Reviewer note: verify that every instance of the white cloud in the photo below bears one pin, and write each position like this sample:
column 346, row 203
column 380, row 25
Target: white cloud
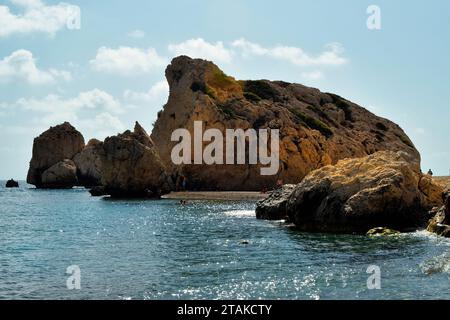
column 136, row 34
column 21, row 65
column 159, row 91
column 313, row 75
column 36, row 17
column 102, row 125
column 126, row 61
column 95, row 113
column 297, row 56
column 199, row 48
column 57, row 109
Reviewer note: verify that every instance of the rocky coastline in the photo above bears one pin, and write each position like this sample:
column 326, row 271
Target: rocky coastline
column 344, row 169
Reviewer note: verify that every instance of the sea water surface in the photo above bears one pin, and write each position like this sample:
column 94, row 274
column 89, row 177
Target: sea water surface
column 135, row 249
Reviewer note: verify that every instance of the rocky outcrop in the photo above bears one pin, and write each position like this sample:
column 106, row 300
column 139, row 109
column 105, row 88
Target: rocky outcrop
column 316, row 128
column 274, row 206
column 381, row 231
column 131, row 166
column 61, row 175
column 12, row 184
column 55, row 145
column 89, row 164
column 440, row 223
column 356, row 195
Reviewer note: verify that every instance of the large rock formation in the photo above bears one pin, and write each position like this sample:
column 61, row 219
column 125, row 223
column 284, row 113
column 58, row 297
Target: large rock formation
column 440, row 223
column 57, row 144
column 89, row 164
column 131, row 166
column 316, row 129
column 385, row 189
column 355, row 195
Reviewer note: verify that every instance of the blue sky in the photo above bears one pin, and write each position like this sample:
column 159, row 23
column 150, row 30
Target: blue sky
column 110, row 72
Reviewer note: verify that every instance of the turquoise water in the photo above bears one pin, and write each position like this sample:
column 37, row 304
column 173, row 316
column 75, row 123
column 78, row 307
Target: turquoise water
column 132, row 249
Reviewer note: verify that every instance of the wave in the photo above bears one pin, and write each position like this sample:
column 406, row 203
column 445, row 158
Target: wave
column 241, row 213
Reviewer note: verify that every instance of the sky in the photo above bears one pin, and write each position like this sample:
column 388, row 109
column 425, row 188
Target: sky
column 100, row 64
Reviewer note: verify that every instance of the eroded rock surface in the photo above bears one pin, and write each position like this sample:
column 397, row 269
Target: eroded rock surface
column 132, row 167
column 316, row 128
column 274, row 206
column 356, row 195
column 61, row 175
column 51, row 147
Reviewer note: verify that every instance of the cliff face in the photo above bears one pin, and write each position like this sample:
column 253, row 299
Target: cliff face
column 316, row 129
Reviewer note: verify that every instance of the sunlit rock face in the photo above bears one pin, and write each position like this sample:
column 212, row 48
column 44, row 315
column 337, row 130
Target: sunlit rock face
column 131, row 166
column 55, row 145
column 356, row 195
column 316, row 128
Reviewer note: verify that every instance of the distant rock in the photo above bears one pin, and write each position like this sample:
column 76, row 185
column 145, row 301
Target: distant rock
column 60, row 176
column 89, row 164
column 440, row 223
column 12, row 184
column 131, row 166
column 316, row 128
column 274, row 206
column 55, row 145
column 359, row 194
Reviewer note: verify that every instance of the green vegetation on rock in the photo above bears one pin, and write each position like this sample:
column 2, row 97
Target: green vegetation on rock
column 313, row 123
column 261, row 89
column 344, row 105
column 252, row 97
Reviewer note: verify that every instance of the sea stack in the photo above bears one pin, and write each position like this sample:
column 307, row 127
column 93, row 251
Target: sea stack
column 131, row 166
column 55, row 146
column 12, row 184
column 316, row 128
column 440, row 223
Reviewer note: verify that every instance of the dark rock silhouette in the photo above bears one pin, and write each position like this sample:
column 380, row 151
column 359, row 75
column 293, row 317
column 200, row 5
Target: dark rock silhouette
column 12, row 184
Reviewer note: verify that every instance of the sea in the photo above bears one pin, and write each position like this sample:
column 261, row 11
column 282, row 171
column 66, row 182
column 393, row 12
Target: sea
column 65, row 244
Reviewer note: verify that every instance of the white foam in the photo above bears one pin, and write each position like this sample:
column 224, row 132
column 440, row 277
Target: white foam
column 241, row 213
column 439, row 264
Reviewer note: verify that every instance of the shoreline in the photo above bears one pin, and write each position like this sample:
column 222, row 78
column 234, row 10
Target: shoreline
column 216, row 195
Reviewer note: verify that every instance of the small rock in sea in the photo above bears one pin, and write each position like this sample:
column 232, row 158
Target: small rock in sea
column 381, row 231
column 245, row 242
column 12, row 184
